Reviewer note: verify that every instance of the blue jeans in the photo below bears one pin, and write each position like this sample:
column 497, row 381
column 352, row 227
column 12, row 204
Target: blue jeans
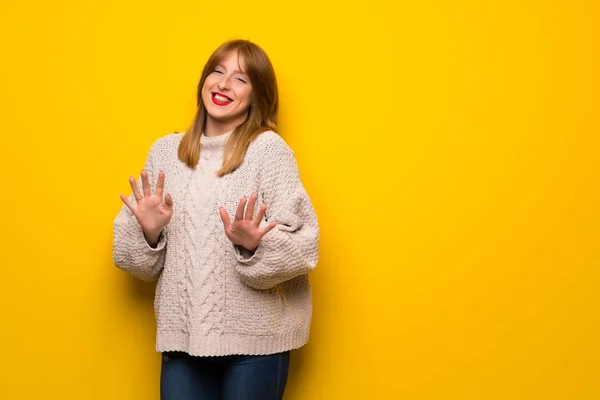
column 185, row 377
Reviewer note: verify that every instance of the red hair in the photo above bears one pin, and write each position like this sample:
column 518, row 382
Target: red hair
column 262, row 115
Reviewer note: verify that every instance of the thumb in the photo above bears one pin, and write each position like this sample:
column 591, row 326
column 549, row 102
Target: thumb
column 168, row 200
column 225, row 217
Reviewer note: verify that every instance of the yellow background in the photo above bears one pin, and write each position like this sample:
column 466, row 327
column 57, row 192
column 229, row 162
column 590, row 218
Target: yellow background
column 450, row 148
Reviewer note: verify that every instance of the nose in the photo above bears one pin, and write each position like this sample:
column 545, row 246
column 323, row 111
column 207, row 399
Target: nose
column 224, row 83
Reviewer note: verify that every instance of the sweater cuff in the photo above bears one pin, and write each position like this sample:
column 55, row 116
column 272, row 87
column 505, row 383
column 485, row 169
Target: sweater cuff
column 247, row 257
column 272, row 241
column 162, row 242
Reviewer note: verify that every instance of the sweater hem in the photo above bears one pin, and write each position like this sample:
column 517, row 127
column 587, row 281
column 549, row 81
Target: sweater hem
column 225, row 344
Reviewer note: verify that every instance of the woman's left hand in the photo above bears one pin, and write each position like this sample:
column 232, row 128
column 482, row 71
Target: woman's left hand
column 245, row 229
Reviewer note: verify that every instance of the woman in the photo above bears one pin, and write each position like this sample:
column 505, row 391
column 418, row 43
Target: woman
column 233, row 296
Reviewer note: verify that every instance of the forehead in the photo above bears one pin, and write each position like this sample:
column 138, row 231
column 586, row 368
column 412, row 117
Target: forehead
column 233, row 61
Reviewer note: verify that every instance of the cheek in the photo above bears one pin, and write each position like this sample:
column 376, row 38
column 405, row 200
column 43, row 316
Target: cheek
column 247, row 95
column 206, row 96
column 206, row 87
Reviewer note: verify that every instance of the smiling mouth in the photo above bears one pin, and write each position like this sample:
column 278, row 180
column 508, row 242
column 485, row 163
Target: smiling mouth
column 220, row 99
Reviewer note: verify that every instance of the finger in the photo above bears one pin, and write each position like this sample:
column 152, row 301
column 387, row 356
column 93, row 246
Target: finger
column 250, row 208
column 225, row 218
column 261, row 214
column 267, row 228
column 160, row 184
column 168, row 200
column 239, row 214
column 125, row 200
column 146, row 184
column 136, row 190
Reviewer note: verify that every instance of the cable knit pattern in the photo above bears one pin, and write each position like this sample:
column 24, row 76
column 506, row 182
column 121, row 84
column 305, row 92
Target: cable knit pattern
column 211, row 298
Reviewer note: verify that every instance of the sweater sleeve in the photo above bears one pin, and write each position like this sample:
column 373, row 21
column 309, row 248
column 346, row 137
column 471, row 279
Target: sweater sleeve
column 131, row 251
column 291, row 248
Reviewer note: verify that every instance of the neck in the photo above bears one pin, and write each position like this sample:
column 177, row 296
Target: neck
column 217, row 128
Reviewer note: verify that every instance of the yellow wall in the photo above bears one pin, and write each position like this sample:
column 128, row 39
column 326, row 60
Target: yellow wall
column 451, row 150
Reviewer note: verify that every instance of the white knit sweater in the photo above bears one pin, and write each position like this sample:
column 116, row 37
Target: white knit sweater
column 210, row 299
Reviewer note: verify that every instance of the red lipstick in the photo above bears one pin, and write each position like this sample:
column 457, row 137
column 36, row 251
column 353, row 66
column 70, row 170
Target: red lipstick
column 219, row 102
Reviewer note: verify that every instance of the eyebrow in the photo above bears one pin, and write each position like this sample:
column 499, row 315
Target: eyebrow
column 235, row 70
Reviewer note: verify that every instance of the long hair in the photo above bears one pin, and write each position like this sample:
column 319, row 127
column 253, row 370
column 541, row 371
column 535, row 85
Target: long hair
column 262, row 115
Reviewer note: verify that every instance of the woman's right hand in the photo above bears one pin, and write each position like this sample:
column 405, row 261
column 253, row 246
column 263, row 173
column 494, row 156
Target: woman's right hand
column 152, row 213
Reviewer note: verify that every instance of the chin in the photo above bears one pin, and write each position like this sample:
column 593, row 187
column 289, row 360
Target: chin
column 218, row 116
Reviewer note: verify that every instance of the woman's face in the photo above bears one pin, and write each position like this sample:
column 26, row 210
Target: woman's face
column 227, row 92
